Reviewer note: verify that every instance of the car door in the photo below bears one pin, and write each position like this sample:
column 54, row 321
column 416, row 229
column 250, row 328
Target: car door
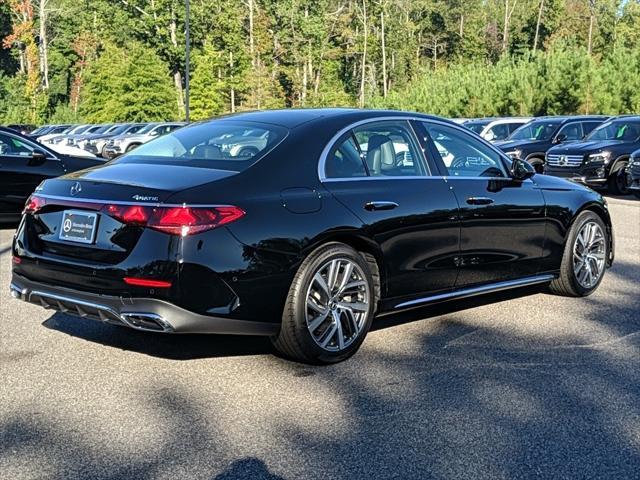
column 379, row 172
column 503, row 220
column 21, row 172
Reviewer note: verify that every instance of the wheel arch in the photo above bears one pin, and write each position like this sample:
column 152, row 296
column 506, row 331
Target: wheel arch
column 615, row 165
column 368, row 248
column 603, row 213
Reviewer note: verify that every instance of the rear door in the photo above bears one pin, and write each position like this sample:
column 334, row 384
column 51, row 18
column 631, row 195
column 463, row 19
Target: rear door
column 20, row 173
column 503, row 220
column 379, row 172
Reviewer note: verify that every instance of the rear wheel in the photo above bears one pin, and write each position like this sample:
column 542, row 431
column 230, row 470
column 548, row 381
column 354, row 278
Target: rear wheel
column 330, row 306
column 585, row 257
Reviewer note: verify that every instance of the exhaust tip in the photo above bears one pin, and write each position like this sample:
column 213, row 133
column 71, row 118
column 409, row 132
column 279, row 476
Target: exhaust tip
column 146, row 321
column 16, row 292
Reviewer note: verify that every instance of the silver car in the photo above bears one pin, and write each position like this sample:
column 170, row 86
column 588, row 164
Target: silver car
column 127, row 142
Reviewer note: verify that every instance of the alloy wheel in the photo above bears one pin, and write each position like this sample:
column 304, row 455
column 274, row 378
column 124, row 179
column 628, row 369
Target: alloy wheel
column 337, row 304
column 589, row 252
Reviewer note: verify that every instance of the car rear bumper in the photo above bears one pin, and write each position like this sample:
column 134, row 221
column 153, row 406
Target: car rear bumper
column 138, row 313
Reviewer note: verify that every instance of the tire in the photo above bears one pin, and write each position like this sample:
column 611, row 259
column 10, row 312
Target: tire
column 537, row 164
column 131, row 147
column 617, row 181
column 308, row 302
column 568, row 283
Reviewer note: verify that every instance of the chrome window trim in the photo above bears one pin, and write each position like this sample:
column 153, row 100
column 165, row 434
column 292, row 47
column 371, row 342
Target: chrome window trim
column 331, row 143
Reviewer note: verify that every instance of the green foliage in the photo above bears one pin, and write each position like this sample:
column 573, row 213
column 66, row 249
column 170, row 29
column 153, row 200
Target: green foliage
column 127, row 84
column 124, row 60
column 559, row 81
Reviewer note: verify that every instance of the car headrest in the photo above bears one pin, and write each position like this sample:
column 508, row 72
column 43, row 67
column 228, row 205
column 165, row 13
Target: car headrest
column 380, row 154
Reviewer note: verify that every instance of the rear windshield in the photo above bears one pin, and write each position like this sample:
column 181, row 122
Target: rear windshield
column 222, row 145
column 620, row 130
column 540, row 130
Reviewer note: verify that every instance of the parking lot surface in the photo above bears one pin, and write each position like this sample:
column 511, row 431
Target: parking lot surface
column 515, row 385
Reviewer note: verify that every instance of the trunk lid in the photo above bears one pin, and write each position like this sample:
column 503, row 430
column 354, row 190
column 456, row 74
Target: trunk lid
column 83, row 198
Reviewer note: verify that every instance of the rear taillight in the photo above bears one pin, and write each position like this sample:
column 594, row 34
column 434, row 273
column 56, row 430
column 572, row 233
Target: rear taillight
column 184, row 220
column 34, row 203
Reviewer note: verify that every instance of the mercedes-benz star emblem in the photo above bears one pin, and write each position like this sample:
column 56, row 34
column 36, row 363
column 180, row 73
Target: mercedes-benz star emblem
column 76, row 188
column 563, row 160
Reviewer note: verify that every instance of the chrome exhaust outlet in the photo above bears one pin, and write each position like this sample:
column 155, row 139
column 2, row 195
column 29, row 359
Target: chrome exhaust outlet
column 146, row 321
column 16, row 292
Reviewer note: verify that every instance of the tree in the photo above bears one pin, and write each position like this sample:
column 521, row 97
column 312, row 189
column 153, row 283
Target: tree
column 127, row 84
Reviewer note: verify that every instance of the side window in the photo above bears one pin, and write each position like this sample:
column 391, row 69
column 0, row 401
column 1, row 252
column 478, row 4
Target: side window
column 390, row 149
column 588, row 127
column 12, row 146
column 514, row 126
column 463, row 154
column 572, row 131
column 497, row 132
column 344, row 160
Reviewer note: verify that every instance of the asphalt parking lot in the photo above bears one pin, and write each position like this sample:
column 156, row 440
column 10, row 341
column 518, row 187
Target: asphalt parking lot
column 529, row 386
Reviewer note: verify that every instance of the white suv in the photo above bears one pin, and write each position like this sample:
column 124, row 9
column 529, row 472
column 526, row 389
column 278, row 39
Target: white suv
column 496, row 129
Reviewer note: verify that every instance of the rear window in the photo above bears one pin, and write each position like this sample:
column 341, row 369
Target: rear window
column 222, row 145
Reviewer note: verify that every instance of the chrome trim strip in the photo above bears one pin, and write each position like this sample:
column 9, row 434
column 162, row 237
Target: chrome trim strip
column 123, row 202
column 469, row 292
column 330, row 144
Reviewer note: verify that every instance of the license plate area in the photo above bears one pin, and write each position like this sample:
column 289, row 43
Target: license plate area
column 78, row 226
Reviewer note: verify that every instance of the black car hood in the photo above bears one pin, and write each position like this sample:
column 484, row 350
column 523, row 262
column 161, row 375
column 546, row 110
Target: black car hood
column 508, row 145
column 590, row 146
column 127, row 181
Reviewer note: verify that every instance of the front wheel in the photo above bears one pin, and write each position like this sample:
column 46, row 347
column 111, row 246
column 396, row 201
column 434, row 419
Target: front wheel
column 585, row 257
column 330, row 306
column 617, row 181
column 537, row 164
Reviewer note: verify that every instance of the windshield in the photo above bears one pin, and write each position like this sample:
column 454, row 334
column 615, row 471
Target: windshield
column 222, row 145
column 624, row 131
column 540, row 130
column 476, row 127
column 101, row 129
column 147, row 128
column 133, row 129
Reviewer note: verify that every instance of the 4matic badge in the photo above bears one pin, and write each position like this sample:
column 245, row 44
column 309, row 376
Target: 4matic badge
column 143, row 198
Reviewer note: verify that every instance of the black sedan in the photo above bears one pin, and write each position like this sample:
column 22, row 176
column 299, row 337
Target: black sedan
column 334, row 217
column 23, row 165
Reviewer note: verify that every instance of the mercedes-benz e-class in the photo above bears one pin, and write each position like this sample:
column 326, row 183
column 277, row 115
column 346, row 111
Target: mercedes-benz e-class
column 336, row 217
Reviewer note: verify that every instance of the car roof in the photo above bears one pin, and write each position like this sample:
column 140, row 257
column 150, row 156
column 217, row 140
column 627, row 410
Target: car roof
column 291, row 118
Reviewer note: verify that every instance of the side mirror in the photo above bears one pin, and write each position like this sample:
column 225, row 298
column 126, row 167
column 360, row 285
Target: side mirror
column 38, row 157
column 154, row 133
column 521, row 170
column 561, row 137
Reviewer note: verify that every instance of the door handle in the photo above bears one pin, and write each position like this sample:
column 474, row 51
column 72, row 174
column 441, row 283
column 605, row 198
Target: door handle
column 380, row 205
column 479, row 201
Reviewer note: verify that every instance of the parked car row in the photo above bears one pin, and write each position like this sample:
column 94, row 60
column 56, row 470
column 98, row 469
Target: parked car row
column 594, row 150
column 103, row 140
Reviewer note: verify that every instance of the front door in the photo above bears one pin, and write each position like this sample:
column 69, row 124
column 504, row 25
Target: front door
column 503, row 220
